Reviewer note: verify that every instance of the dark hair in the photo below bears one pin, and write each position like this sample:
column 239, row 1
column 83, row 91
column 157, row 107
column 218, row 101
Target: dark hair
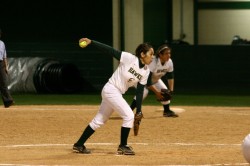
column 161, row 49
column 144, row 47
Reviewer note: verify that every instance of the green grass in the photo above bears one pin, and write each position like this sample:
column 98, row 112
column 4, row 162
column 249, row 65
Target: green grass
column 188, row 100
column 206, row 100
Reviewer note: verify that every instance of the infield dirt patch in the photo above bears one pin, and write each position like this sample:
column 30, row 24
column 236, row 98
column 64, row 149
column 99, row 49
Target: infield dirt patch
column 44, row 135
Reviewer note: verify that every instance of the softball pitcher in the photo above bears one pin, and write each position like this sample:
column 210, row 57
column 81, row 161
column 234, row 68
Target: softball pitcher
column 161, row 68
column 132, row 70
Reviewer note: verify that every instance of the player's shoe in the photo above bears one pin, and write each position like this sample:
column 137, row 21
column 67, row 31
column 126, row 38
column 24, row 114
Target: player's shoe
column 125, row 150
column 81, row 149
column 170, row 114
column 7, row 104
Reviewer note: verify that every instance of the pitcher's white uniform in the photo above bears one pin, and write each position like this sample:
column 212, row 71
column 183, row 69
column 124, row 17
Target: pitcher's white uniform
column 127, row 74
column 158, row 71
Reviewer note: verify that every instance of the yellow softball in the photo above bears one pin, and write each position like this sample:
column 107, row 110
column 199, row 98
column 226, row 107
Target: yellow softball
column 83, row 44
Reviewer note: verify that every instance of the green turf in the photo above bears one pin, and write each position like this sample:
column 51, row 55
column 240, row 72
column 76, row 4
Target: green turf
column 189, row 100
column 206, row 100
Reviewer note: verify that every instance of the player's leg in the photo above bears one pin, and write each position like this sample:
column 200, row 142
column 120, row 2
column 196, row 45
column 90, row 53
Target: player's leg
column 5, row 94
column 167, row 112
column 120, row 105
column 79, row 146
column 101, row 117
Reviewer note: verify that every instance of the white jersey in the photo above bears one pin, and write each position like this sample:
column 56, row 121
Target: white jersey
column 128, row 73
column 158, row 70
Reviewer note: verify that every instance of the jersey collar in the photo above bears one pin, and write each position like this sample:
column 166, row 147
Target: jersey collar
column 141, row 65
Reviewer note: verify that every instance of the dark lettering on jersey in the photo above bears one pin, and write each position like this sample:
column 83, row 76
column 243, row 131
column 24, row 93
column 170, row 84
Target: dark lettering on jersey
column 137, row 75
column 162, row 71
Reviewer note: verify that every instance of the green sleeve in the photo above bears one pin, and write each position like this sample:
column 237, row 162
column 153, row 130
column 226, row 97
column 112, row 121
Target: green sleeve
column 170, row 75
column 139, row 95
column 107, row 49
column 149, row 81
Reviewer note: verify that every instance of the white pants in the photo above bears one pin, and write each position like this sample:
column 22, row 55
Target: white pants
column 158, row 85
column 112, row 100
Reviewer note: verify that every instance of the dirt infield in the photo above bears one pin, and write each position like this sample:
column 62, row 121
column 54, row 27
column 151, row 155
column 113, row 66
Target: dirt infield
column 43, row 135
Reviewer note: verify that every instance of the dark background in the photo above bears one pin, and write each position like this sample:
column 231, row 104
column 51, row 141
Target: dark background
column 56, row 21
column 52, row 29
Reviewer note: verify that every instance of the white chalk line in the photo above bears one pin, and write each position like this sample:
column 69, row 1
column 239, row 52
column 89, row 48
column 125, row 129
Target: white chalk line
column 88, row 108
column 57, row 109
column 113, row 144
column 230, row 164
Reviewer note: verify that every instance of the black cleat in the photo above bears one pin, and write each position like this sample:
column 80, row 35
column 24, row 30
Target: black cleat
column 170, row 114
column 7, row 104
column 81, row 149
column 125, row 150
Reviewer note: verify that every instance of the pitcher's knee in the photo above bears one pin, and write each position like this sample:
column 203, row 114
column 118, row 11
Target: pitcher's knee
column 128, row 121
column 95, row 125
